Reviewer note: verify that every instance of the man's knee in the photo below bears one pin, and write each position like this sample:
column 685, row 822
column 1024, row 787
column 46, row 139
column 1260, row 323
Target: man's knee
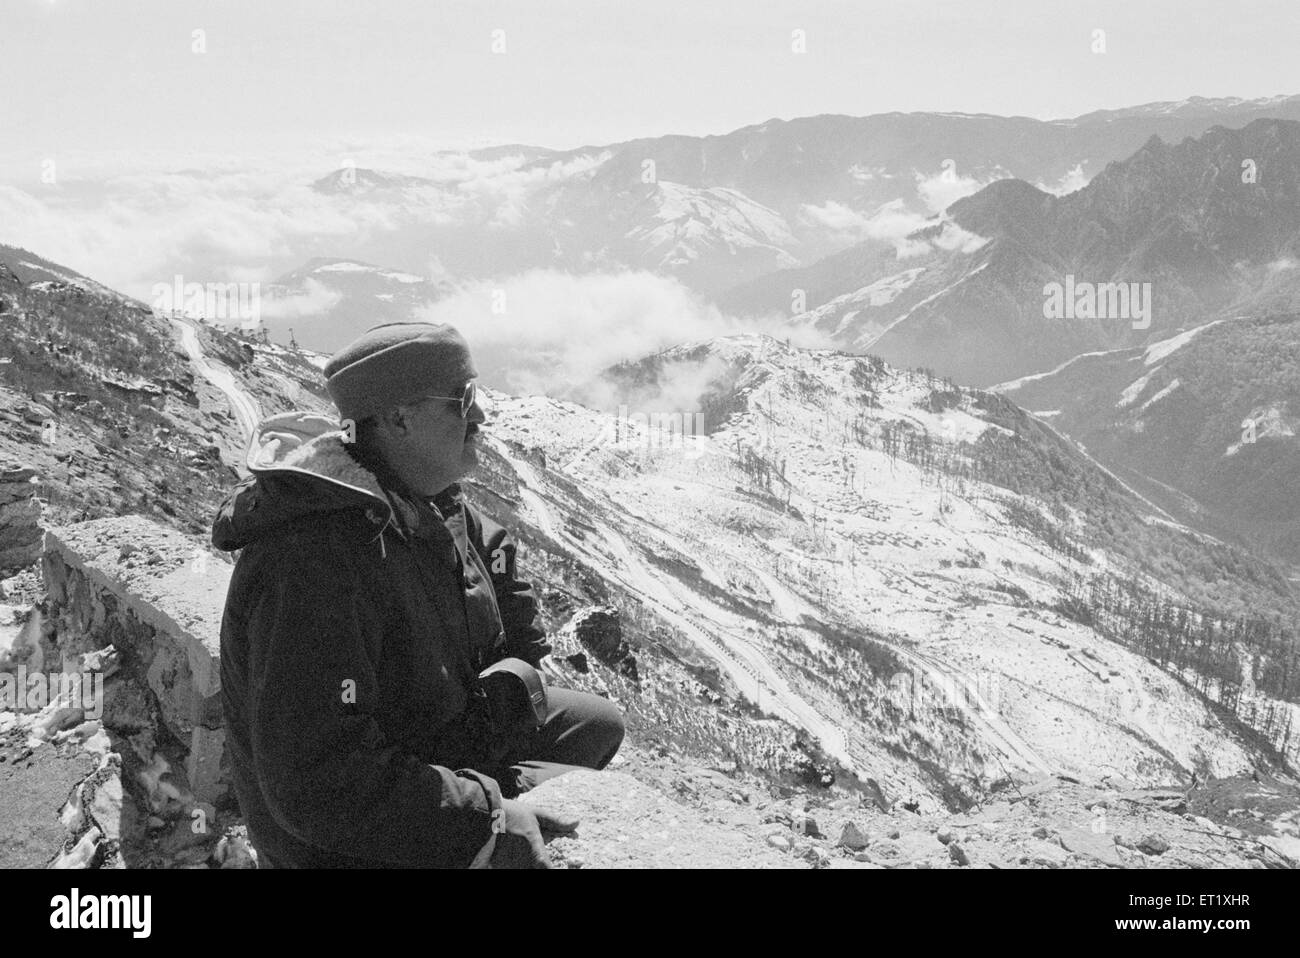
column 609, row 719
column 603, row 713
column 598, row 722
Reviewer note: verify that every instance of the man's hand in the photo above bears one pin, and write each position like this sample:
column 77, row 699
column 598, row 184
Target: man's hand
column 519, row 842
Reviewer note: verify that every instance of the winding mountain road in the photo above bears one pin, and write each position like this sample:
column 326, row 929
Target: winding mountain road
column 245, row 407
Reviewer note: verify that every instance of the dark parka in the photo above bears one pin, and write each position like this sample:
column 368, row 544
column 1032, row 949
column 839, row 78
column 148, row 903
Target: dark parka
column 355, row 623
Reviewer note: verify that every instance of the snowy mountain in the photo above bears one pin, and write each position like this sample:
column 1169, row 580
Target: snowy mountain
column 843, row 536
column 1185, row 233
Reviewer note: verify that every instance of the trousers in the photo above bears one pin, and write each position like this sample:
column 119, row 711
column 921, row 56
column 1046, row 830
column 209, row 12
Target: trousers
column 581, row 731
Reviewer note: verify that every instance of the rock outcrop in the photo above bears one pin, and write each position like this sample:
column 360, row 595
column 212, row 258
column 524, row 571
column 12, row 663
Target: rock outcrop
column 20, row 513
column 597, row 630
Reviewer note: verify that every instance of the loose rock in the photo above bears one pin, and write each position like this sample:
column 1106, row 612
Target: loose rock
column 852, row 837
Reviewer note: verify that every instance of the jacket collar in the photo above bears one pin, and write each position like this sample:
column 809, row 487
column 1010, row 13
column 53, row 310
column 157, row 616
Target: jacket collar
column 312, row 444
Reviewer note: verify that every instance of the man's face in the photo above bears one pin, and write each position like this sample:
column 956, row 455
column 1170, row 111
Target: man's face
column 442, row 445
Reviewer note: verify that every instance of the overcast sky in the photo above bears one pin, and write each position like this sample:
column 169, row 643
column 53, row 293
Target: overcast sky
column 89, row 75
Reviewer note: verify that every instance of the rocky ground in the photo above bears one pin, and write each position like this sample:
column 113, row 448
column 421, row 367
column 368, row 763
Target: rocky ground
column 1055, row 822
column 76, row 796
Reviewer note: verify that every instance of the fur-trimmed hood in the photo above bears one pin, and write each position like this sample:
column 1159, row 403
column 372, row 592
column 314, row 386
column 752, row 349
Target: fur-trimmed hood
column 298, row 464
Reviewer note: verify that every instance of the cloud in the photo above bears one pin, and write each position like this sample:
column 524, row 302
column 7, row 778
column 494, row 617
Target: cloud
column 676, row 387
column 558, row 331
column 504, row 186
column 890, row 222
column 953, row 237
column 315, row 299
column 137, row 230
column 132, row 224
column 940, row 191
column 898, row 219
column 865, row 174
column 1073, row 180
column 894, row 223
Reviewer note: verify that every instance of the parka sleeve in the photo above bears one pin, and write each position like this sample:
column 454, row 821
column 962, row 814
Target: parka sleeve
column 516, row 600
column 326, row 771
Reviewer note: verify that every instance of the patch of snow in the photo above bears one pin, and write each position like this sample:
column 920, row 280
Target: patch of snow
column 345, row 268
column 1269, row 422
column 53, row 272
column 1160, row 395
column 1015, row 384
column 1130, row 395
column 1158, row 351
column 867, row 340
column 880, row 293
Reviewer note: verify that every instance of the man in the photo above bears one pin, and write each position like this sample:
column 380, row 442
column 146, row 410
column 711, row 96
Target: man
column 367, row 598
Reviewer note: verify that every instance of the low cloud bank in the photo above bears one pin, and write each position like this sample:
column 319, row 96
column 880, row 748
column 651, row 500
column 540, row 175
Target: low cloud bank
column 552, row 333
column 894, row 222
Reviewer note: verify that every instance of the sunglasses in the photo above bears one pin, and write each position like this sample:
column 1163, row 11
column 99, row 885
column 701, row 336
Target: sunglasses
column 466, row 399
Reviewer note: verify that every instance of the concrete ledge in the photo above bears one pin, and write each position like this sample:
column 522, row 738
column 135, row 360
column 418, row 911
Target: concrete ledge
column 159, row 583
column 157, row 597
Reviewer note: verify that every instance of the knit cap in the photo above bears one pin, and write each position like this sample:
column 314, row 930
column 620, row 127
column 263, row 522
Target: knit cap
column 395, row 362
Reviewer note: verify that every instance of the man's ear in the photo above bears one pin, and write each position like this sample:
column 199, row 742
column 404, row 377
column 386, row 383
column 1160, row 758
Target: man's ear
column 396, row 421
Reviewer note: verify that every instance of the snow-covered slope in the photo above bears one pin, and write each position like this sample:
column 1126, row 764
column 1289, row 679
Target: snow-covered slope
column 41, row 273
column 1205, row 420
column 906, row 616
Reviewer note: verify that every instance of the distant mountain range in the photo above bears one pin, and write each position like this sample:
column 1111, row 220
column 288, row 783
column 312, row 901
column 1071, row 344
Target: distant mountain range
column 1207, row 227
column 719, row 211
